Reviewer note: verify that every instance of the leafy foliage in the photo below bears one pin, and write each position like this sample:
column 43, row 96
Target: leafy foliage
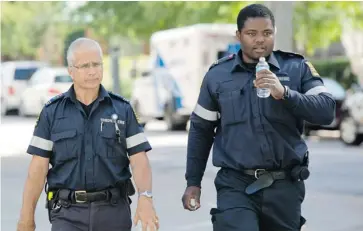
column 318, row 24
column 25, row 24
column 139, row 20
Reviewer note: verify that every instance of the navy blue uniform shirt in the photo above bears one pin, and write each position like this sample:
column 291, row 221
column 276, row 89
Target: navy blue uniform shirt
column 249, row 132
column 85, row 152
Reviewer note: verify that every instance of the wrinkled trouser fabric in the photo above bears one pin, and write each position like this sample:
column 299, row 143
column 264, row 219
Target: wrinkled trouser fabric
column 276, row 208
column 95, row 216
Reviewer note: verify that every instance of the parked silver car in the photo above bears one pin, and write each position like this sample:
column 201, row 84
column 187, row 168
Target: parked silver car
column 14, row 80
column 351, row 127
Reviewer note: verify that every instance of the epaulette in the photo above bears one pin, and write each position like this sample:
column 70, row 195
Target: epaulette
column 117, row 96
column 222, row 60
column 289, row 54
column 54, row 99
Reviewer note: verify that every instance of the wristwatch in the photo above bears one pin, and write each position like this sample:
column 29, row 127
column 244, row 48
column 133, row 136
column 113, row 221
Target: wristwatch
column 147, row 194
column 286, row 92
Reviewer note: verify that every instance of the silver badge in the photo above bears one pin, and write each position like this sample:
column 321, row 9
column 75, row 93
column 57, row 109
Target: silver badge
column 114, row 117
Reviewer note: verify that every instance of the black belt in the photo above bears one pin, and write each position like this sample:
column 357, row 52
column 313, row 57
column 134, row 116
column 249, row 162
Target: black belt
column 81, row 196
column 264, row 178
column 277, row 175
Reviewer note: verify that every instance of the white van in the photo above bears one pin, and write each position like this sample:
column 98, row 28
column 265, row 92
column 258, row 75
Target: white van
column 15, row 76
column 180, row 58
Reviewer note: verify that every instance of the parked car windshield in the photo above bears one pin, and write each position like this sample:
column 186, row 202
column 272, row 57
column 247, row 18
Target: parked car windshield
column 24, row 73
column 63, row 79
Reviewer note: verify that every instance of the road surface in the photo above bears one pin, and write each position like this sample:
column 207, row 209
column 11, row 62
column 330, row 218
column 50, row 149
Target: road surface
column 333, row 202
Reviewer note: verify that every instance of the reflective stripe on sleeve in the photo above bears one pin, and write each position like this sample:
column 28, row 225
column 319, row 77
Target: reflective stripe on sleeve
column 135, row 140
column 316, row 90
column 205, row 114
column 41, row 143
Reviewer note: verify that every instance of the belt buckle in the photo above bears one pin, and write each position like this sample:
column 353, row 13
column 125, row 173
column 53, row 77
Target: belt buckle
column 258, row 172
column 80, row 193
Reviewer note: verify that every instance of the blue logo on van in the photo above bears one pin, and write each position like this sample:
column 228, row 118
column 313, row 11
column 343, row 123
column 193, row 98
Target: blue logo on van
column 233, row 48
column 159, row 63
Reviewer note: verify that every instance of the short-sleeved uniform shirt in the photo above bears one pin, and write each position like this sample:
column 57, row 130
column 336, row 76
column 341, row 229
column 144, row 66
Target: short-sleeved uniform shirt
column 88, row 149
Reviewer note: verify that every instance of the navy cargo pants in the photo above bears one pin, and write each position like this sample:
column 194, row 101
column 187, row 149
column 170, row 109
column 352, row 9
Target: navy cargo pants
column 276, row 208
column 94, row 216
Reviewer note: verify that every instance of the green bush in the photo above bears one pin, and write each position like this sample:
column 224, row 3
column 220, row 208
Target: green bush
column 338, row 69
column 126, row 87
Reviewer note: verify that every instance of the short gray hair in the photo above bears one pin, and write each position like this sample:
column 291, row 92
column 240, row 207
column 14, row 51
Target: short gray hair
column 78, row 43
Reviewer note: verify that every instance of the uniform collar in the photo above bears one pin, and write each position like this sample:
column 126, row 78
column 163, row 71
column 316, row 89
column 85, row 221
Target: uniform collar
column 72, row 95
column 238, row 62
column 272, row 60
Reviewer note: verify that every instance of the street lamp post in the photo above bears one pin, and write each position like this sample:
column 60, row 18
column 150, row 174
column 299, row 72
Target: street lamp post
column 283, row 13
column 115, row 52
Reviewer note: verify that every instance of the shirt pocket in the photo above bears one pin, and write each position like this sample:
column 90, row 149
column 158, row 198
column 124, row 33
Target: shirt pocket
column 109, row 143
column 232, row 106
column 65, row 145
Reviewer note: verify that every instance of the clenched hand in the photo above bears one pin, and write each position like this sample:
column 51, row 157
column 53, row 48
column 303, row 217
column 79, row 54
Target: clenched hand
column 191, row 193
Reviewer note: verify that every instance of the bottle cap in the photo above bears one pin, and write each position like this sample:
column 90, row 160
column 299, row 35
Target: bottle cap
column 262, row 59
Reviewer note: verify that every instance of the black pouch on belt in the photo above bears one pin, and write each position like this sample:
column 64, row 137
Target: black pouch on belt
column 130, row 188
column 51, row 202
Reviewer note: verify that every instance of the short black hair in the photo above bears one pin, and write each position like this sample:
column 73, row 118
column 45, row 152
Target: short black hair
column 254, row 11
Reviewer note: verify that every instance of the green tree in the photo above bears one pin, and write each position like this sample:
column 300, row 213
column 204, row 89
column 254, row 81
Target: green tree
column 317, row 24
column 24, row 26
column 140, row 19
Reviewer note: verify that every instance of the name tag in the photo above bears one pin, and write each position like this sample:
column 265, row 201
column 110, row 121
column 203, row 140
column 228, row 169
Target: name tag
column 284, row 78
column 104, row 120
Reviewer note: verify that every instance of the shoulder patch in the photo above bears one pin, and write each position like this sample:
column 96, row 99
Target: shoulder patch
column 312, row 69
column 290, row 54
column 222, row 60
column 54, row 99
column 117, row 96
column 37, row 121
column 136, row 115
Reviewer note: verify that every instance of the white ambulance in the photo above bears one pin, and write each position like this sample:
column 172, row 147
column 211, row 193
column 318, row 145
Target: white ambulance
column 180, row 58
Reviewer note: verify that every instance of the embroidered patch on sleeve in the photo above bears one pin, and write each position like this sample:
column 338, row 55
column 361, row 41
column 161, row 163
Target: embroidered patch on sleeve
column 312, row 69
column 36, row 121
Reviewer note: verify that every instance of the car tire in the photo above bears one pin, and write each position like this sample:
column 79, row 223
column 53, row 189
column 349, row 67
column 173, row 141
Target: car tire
column 21, row 112
column 171, row 124
column 3, row 108
column 349, row 132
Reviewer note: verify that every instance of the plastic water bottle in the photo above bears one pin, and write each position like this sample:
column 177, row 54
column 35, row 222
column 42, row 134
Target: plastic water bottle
column 262, row 65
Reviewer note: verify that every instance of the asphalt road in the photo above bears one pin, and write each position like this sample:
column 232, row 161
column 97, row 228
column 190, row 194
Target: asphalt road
column 333, row 202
